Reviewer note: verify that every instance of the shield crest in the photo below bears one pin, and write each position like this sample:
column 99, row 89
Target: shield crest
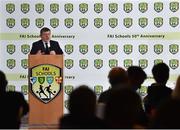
column 69, row 48
column 174, row 48
column 143, row 7
column 66, row 104
column 98, row 89
column 10, row 8
column 24, row 63
column 25, row 22
column 83, row 8
column 25, row 48
column 83, row 22
column 50, row 79
column 69, row 63
column 158, row 21
column 68, row 8
column 68, row 22
column 68, row 89
column 113, row 63
column 113, row 22
column 41, row 79
column 39, row 7
column 10, row 22
column 143, row 49
column 24, row 89
column 128, row 22
column 54, row 22
column 98, row 63
column 98, row 22
column 113, row 49
column 11, row 63
column 158, row 48
column 157, row 61
column 174, row 63
column 83, row 48
column 174, row 6
column 25, row 7
column 128, row 63
column 54, row 8
column 143, row 63
column 39, row 22
column 158, row 6
column 98, row 7
column 11, row 48
column 128, row 7
column 11, row 88
column 98, row 48
column 113, row 7
column 128, row 48
column 143, row 22
column 33, row 80
column 83, row 63
column 174, row 21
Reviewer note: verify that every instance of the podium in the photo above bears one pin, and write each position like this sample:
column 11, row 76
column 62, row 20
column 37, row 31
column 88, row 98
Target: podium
column 45, row 90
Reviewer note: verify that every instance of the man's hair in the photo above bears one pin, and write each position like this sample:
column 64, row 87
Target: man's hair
column 3, row 81
column 45, row 29
column 160, row 73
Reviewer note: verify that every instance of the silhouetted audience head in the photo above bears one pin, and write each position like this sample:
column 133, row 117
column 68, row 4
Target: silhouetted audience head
column 161, row 73
column 3, row 82
column 136, row 76
column 176, row 91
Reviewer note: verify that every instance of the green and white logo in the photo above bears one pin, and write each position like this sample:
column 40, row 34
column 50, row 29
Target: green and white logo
column 128, row 7
column 11, row 48
column 24, row 63
column 54, row 8
column 143, row 49
column 25, row 22
column 24, row 89
column 69, row 63
column 54, row 22
column 98, row 89
column 66, row 104
column 158, row 6
column 98, row 22
column 113, row 63
column 113, row 7
column 157, row 61
column 83, row 48
column 83, row 8
column 10, row 8
column 98, row 7
column 143, row 7
column 113, row 49
column 158, row 48
column 39, row 22
column 69, row 48
column 83, row 63
column 10, row 22
column 83, row 22
column 128, row 22
column 68, row 89
column 25, row 48
column 113, row 22
column 68, row 22
column 98, row 63
column 174, row 48
column 158, row 21
column 128, row 48
column 174, row 21
column 174, row 6
column 143, row 63
column 128, row 63
column 98, row 48
column 11, row 63
column 174, row 63
column 25, row 7
column 11, row 88
column 143, row 22
column 39, row 7
column 68, row 8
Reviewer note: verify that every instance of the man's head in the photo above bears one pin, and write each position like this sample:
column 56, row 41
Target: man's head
column 45, row 34
column 3, row 82
column 136, row 76
column 117, row 76
column 161, row 73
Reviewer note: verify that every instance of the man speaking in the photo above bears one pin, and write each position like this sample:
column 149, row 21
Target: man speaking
column 46, row 46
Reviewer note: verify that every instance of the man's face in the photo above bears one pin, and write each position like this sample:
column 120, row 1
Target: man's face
column 46, row 36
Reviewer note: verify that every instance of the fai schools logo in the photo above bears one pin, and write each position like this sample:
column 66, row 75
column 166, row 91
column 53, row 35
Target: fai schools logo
column 24, row 63
column 25, row 7
column 128, row 7
column 143, row 22
column 174, row 6
column 54, row 22
column 83, row 8
column 113, row 49
column 68, row 22
column 10, row 8
column 98, row 63
column 98, row 22
column 98, row 7
column 54, row 8
column 158, row 21
column 128, row 22
column 113, row 7
column 143, row 63
column 45, row 82
column 128, row 63
column 174, row 21
column 39, row 7
column 69, row 63
column 143, row 49
column 11, row 48
column 113, row 22
column 128, row 48
column 25, row 22
column 98, row 89
column 69, row 48
column 174, row 48
column 39, row 22
column 68, row 89
column 143, row 7
column 174, row 63
column 83, row 22
column 83, row 63
column 83, row 48
column 158, row 48
column 113, row 63
column 68, row 8
column 25, row 48
column 10, row 22
column 11, row 63
column 158, row 6
column 98, row 48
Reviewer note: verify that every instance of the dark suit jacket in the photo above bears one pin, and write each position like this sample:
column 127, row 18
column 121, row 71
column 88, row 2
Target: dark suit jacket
column 54, row 46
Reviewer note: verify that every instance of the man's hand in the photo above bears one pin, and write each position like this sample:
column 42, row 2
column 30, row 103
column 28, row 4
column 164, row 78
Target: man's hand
column 52, row 53
column 40, row 53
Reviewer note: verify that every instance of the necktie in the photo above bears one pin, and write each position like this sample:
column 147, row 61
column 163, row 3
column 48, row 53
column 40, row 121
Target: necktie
column 46, row 49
